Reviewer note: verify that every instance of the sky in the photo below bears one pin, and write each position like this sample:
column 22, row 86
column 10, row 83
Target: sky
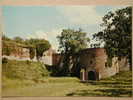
column 47, row 22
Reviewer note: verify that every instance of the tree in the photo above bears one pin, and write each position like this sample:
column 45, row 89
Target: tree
column 32, row 52
column 116, row 34
column 71, row 42
column 40, row 45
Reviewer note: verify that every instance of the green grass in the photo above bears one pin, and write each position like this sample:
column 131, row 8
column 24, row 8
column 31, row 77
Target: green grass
column 23, row 70
column 8, row 83
column 119, row 85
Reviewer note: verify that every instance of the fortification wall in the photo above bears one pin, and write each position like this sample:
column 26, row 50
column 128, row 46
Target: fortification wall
column 96, row 60
column 123, row 64
column 56, row 58
column 17, row 52
column 102, row 66
column 87, row 59
column 108, row 71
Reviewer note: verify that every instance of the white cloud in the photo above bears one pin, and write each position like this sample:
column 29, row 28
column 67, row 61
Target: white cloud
column 48, row 35
column 80, row 14
column 54, row 32
column 40, row 34
column 52, row 37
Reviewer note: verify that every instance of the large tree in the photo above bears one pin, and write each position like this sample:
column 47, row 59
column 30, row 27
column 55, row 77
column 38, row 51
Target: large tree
column 38, row 45
column 41, row 47
column 71, row 42
column 117, row 33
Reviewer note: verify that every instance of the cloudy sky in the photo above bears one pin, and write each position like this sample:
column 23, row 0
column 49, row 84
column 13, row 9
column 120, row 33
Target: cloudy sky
column 48, row 21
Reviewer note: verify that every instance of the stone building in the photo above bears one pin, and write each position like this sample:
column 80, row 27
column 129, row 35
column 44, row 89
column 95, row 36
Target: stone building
column 89, row 64
column 94, row 65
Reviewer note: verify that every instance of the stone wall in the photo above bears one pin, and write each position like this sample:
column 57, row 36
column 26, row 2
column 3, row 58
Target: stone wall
column 92, row 60
column 95, row 60
column 56, row 58
column 123, row 64
column 16, row 52
column 109, row 70
column 21, row 52
column 101, row 64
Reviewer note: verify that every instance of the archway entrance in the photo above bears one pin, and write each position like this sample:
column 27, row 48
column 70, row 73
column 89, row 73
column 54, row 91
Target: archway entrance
column 91, row 75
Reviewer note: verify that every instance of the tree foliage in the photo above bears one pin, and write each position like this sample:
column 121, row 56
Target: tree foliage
column 71, row 42
column 32, row 52
column 41, row 47
column 116, row 34
column 36, row 46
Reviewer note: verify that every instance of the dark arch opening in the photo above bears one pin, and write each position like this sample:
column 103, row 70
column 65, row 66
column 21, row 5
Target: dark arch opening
column 91, row 75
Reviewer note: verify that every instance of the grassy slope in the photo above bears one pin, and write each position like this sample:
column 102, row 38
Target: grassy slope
column 23, row 70
column 116, row 86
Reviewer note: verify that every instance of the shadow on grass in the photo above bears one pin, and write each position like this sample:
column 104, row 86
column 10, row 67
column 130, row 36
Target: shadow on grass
column 103, row 92
column 111, row 84
column 119, row 85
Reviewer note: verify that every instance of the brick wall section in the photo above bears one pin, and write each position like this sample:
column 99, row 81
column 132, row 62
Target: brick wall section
column 56, row 58
column 101, row 59
column 94, row 59
column 18, row 52
column 91, row 59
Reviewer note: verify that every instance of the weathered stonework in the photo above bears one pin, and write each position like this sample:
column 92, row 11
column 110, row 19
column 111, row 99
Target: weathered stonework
column 56, row 58
column 17, row 52
column 94, row 62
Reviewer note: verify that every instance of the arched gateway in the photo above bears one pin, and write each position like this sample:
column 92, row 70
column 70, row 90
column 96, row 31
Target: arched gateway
column 88, row 75
column 92, row 75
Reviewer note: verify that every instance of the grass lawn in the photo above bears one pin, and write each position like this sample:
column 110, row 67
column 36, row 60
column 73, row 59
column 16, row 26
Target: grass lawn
column 119, row 85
